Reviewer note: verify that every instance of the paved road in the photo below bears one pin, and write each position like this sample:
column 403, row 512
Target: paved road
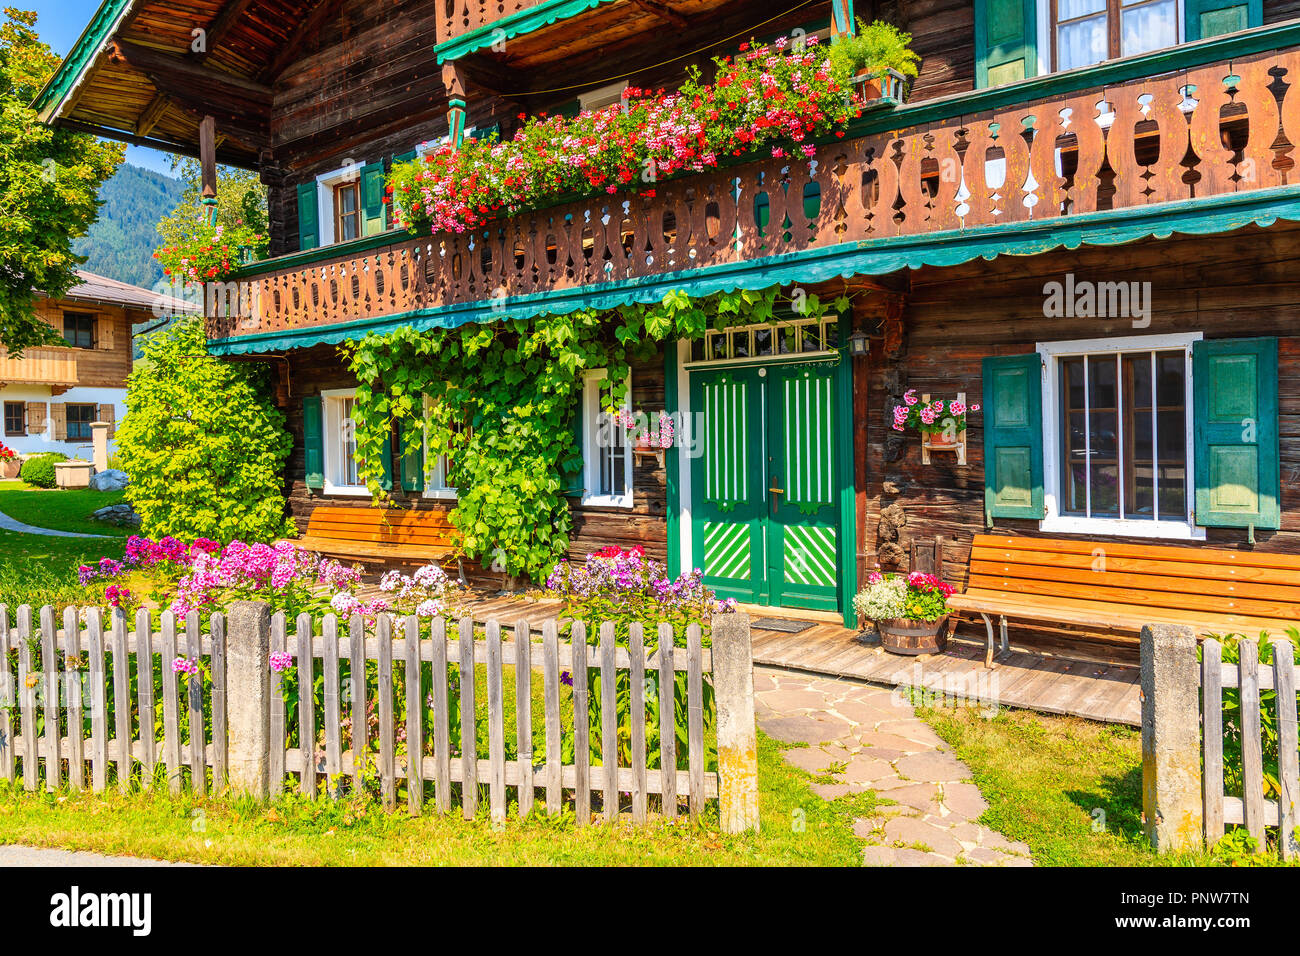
column 31, row 856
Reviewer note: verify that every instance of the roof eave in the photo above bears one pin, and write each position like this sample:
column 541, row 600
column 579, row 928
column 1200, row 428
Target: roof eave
column 81, row 59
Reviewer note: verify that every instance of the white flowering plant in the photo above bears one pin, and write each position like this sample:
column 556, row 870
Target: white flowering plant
column 427, row 592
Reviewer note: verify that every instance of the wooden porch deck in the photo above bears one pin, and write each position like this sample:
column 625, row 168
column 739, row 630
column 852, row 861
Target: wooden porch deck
column 1020, row 678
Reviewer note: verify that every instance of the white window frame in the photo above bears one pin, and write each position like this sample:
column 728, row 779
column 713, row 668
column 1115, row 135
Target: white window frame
column 325, row 184
column 435, row 477
column 1050, row 353
column 591, row 412
column 1045, row 64
column 602, row 96
column 332, row 439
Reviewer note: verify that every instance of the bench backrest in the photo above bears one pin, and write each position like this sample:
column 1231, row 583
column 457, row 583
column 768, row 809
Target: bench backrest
column 383, row 526
column 1156, row 576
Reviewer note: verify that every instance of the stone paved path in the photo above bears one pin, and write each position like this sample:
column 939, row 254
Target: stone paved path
column 11, row 524
column 866, row 738
column 15, row 855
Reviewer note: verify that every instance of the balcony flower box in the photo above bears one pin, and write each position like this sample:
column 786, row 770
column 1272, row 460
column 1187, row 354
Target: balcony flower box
column 888, row 88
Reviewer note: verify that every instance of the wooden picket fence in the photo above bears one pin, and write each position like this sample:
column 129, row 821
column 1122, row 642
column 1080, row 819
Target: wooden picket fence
column 77, row 697
column 1185, row 802
column 1250, row 810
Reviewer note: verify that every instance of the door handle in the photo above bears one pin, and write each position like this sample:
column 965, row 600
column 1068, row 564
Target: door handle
column 774, row 492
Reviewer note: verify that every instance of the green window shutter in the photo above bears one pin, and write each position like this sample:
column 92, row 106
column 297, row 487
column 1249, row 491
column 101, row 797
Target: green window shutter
column 1006, row 41
column 1211, row 18
column 568, row 110
column 308, row 217
column 388, row 209
column 313, row 443
column 386, row 482
column 412, row 461
column 1013, row 437
column 574, row 482
column 372, row 198
column 1238, row 478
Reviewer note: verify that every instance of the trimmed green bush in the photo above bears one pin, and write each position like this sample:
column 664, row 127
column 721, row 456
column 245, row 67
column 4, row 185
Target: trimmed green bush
column 203, row 443
column 39, row 469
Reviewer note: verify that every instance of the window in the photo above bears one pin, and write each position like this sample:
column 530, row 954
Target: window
column 79, row 420
column 15, row 418
column 606, row 452
column 79, row 329
column 440, row 479
column 340, row 441
column 1118, row 459
column 1084, row 32
column 347, row 211
column 756, row 341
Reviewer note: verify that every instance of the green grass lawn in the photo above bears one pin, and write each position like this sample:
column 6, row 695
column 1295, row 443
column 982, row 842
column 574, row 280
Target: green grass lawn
column 293, row 831
column 38, row 569
column 1070, row 788
column 59, row 509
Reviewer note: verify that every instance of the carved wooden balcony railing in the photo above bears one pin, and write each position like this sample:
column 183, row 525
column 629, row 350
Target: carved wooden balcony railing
column 1182, row 136
column 465, row 16
column 41, row 366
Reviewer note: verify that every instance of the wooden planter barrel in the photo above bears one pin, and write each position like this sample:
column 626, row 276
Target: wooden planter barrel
column 901, row 636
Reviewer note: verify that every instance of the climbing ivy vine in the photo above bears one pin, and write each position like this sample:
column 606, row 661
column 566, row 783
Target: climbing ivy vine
column 500, row 401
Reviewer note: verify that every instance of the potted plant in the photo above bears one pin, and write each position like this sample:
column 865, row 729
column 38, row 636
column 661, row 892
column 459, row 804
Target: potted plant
column 911, row 613
column 9, row 463
column 941, row 423
column 877, row 62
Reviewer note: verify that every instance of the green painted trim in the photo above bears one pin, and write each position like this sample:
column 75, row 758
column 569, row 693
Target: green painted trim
column 985, row 53
column 81, row 57
column 517, row 24
column 672, row 464
column 868, row 257
column 848, row 531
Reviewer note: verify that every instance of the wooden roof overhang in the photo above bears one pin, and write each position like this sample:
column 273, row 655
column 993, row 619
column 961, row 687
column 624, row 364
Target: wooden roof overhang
column 147, row 71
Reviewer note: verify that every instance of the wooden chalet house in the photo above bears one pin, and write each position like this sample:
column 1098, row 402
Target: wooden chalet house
column 1084, row 218
column 52, row 394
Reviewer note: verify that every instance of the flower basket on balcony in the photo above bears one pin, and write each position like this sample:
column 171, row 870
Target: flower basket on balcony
column 879, row 58
column 888, row 88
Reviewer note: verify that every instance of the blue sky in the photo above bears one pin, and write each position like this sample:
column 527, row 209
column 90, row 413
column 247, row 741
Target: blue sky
column 60, row 23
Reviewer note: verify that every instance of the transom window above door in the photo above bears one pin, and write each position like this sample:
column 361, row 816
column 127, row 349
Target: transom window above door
column 795, row 337
column 1117, row 424
column 1084, row 32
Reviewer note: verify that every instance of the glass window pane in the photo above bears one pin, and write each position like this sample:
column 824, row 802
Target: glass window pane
column 1073, row 9
column 1073, row 471
column 832, row 333
column 1139, row 450
column 812, row 337
column 348, row 444
column 1103, row 437
column 763, row 340
column 740, row 344
column 1151, row 26
column 1081, row 43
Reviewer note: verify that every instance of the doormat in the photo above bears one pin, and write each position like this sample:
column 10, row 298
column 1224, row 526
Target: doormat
column 782, row 624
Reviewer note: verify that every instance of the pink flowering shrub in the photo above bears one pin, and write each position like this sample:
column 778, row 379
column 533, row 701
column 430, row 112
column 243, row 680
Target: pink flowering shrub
column 769, row 98
column 427, row 592
column 624, row 586
column 928, row 418
column 290, row 578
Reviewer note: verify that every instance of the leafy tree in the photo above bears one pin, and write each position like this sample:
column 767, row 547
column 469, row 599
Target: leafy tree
column 241, row 202
column 204, row 446
column 49, row 183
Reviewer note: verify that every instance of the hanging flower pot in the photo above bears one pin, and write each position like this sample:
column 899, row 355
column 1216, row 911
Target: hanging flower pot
column 886, row 87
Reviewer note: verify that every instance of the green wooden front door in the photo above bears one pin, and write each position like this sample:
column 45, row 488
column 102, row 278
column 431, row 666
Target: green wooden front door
column 765, row 492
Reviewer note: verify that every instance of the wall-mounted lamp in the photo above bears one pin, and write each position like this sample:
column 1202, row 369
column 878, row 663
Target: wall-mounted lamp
column 859, row 343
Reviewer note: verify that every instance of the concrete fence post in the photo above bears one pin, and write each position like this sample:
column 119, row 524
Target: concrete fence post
column 248, row 696
column 1173, row 809
column 733, row 685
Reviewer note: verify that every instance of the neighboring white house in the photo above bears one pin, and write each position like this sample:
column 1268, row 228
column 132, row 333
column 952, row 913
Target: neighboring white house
column 50, row 396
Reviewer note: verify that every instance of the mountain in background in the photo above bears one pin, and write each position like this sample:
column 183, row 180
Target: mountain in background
column 120, row 244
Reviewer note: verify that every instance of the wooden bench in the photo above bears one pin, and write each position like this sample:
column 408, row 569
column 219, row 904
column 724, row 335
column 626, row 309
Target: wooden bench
column 1122, row 587
column 383, row 534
